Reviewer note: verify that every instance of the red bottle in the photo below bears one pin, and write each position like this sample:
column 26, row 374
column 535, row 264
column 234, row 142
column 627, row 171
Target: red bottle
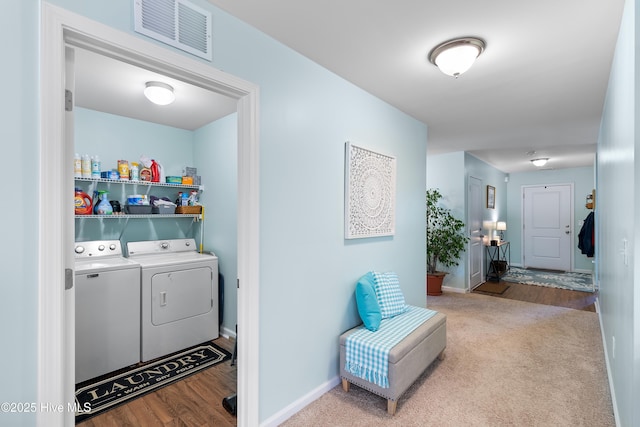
column 155, row 172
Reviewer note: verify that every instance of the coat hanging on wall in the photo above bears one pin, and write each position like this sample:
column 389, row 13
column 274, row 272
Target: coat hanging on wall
column 586, row 237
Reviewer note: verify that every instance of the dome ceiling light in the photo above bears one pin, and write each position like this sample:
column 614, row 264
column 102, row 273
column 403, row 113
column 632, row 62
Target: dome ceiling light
column 456, row 56
column 159, row 93
column 540, row 162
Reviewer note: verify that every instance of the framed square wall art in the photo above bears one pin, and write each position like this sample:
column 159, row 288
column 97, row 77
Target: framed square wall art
column 370, row 193
column 491, row 197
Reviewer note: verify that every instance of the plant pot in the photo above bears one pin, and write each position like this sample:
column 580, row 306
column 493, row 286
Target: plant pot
column 434, row 283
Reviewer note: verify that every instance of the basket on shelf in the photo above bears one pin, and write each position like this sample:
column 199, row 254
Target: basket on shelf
column 189, row 210
column 499, row 265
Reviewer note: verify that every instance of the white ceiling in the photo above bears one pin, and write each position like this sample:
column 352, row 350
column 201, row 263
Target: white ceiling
column 539, row 85
column 111, row 86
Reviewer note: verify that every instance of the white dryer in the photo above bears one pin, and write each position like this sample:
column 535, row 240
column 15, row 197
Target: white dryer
column 179, row 295
column 107, row 309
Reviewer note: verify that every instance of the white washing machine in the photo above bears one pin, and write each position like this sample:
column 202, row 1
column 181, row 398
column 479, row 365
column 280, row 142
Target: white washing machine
column 179, row 295
column 107, row 309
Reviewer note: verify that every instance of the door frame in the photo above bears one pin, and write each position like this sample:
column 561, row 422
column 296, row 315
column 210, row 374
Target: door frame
column 571, row 219
column 55, row 359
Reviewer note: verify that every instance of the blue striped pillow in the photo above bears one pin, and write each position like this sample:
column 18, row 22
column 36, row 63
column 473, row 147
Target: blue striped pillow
column 389, row 294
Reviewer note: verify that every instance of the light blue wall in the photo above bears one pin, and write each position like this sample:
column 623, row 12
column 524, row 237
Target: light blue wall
column 450, row 172
column 19, row 22
column 583, row 182
column 446, row 173
column 115, row 137
column 216, row 157
column 617, row 209
column 494, row 177
column 307, row 269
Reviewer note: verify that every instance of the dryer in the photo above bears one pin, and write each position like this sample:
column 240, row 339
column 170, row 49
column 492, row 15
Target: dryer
column 107, row 301
column 179, row 295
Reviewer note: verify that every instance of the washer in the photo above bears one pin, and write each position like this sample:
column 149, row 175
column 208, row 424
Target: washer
column 107, row 309
column 179, row 295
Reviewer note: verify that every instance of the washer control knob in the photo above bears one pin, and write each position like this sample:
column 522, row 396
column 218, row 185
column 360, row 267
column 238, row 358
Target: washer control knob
column 164, row 245
column 79, row 249
column 101, row 248
column 112, row 247
column 187, row 243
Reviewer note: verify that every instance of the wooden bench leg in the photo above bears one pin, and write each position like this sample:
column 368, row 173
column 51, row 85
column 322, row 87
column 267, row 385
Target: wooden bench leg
column 391, row 406
column 441, row 355
column 345, row 385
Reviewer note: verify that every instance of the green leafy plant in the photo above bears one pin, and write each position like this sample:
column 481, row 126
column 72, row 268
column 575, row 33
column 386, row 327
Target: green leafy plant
column 446, row 240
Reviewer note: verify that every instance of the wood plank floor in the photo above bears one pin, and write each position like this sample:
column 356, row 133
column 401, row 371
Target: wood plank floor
column 550, row 296
column 194, row 401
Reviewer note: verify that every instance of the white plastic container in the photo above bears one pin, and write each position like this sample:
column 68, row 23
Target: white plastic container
column 77, row 166
column 134, row 171
column 95, row 167
column 86, row 166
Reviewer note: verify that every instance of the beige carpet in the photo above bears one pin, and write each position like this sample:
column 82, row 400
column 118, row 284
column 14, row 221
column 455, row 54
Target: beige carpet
column 508, row 363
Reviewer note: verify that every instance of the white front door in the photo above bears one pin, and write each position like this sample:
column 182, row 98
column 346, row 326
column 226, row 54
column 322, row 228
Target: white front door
column 548, row 226
column 474, row 214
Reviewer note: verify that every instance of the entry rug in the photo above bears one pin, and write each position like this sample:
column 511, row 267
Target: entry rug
column 492, row 288
column 107, row 392
column 572, row 281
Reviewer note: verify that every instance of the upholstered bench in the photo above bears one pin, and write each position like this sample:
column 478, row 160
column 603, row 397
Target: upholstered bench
column 407, row 359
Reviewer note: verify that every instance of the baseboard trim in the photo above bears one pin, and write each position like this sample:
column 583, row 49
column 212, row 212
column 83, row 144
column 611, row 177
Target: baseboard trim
column 456, row 290
column 289, row 411
column 227, row 333
column 612, row 390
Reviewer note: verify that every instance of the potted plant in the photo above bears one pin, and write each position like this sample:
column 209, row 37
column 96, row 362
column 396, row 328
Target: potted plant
column 446, row 241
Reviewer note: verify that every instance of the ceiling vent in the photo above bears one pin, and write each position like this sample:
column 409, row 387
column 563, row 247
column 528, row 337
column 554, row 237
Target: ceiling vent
column 177, row 23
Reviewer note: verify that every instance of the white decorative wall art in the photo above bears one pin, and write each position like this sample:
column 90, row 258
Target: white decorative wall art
column 370, row 193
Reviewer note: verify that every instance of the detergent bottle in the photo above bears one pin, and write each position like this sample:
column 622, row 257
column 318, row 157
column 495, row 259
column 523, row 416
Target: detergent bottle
column 103, row 207
column 155, row 171
column 83, row 202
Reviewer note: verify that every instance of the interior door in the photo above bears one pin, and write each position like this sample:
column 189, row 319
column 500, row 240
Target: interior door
column 548, row 227
column 474, row 214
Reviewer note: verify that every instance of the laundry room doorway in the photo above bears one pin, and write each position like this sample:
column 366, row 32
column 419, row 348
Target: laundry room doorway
column 63, row 31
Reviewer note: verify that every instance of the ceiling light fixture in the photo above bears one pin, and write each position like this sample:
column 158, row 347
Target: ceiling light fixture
column 456, row 56
column 540, row 162
column 159, row 93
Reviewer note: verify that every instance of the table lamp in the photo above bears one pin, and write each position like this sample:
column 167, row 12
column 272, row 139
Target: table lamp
column 501, row 226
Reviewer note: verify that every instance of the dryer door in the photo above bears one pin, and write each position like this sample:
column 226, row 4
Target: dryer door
column 181, row 294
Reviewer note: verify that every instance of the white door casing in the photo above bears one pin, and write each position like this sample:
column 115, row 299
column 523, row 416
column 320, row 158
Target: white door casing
column 69, row 294
column 474, row 214
column 548, row 226
column 55, row 377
